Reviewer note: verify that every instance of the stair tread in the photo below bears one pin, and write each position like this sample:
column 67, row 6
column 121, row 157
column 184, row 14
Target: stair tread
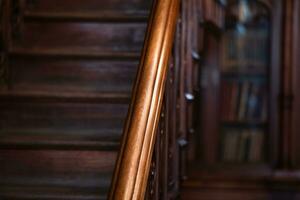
column 52, row 193
column 81, row 97
column 77, row 53
column 104, row 16
column 59, row 144
column 41, row 139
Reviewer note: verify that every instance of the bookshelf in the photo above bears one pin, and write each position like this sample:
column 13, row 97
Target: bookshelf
column 244, row 73
column 247, row 115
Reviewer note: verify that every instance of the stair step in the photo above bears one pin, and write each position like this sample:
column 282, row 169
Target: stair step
column 73, row 53
column 84, row 120
column 105, row 140
column 67, row 78
column 81, row 37
column 66, row 169
column 106, row 16
column 89, row 6
column 72, row 66
column 49, row 97
column 60, row 145
column 48, row 193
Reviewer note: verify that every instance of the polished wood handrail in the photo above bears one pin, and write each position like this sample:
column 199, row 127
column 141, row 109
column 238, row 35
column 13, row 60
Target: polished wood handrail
column 133, row 165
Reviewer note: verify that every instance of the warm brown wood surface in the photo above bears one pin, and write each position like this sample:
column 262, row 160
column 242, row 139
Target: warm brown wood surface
column 133, row 166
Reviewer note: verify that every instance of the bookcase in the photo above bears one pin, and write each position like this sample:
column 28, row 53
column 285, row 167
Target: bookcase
column 236, row 87
column 244, row 81
column 246, row 109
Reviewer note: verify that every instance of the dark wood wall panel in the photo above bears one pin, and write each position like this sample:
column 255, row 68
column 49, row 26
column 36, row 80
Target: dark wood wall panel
column 23, row 163
column 296, row 86
column 69, row 76
column 75, row 36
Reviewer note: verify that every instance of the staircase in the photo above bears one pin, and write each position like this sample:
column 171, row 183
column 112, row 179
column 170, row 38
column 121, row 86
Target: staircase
column 71, row 64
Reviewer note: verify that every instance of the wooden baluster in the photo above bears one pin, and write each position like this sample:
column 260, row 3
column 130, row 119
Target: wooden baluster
column 164, row 176
column 177, row 121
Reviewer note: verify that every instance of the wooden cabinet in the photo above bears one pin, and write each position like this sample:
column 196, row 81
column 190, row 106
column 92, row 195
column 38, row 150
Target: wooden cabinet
column 248, row 103
column 238, row 79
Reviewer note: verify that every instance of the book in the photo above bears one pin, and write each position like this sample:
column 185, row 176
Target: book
column 243, row 101
column 256, row 154
column 244, row 144
column 264, row 111
column 224, row 96
column 253, row 102
column 233, row 102
column 231, row 140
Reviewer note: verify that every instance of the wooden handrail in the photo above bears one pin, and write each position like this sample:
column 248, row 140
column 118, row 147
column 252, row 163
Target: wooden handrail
column 134, row 159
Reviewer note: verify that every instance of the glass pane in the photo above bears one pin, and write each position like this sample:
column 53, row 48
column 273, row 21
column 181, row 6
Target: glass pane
column 244, row 67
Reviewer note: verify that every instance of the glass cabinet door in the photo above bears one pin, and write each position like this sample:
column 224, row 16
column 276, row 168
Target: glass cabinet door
column 236, row 91
column 244, row 74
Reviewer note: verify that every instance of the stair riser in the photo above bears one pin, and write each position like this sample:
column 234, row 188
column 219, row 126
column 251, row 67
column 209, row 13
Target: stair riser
column 76, row 36
column 72, row 77
column 130, row 6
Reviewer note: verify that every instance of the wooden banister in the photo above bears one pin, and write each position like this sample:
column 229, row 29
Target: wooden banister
column 139, row 136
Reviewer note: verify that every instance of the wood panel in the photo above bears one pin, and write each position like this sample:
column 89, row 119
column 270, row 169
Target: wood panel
column 60, row 123
column 47, row 163
column 47, row 171
column 130, row 6
column 76, row 36
column 68, row 76
column 61, row 117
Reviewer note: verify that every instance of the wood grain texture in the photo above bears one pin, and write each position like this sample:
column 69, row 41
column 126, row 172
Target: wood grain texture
column 296, row 85
column 131, row 6
column 57, row 174
column 75, row 36
column 61, row 118
column 69, row 76
column 70, row 72
column 133, row 166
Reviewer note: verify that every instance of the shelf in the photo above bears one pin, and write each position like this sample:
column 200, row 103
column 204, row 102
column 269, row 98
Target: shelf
column 104, row 140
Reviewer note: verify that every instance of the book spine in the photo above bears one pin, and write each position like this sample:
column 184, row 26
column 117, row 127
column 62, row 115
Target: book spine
column 243, row 101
